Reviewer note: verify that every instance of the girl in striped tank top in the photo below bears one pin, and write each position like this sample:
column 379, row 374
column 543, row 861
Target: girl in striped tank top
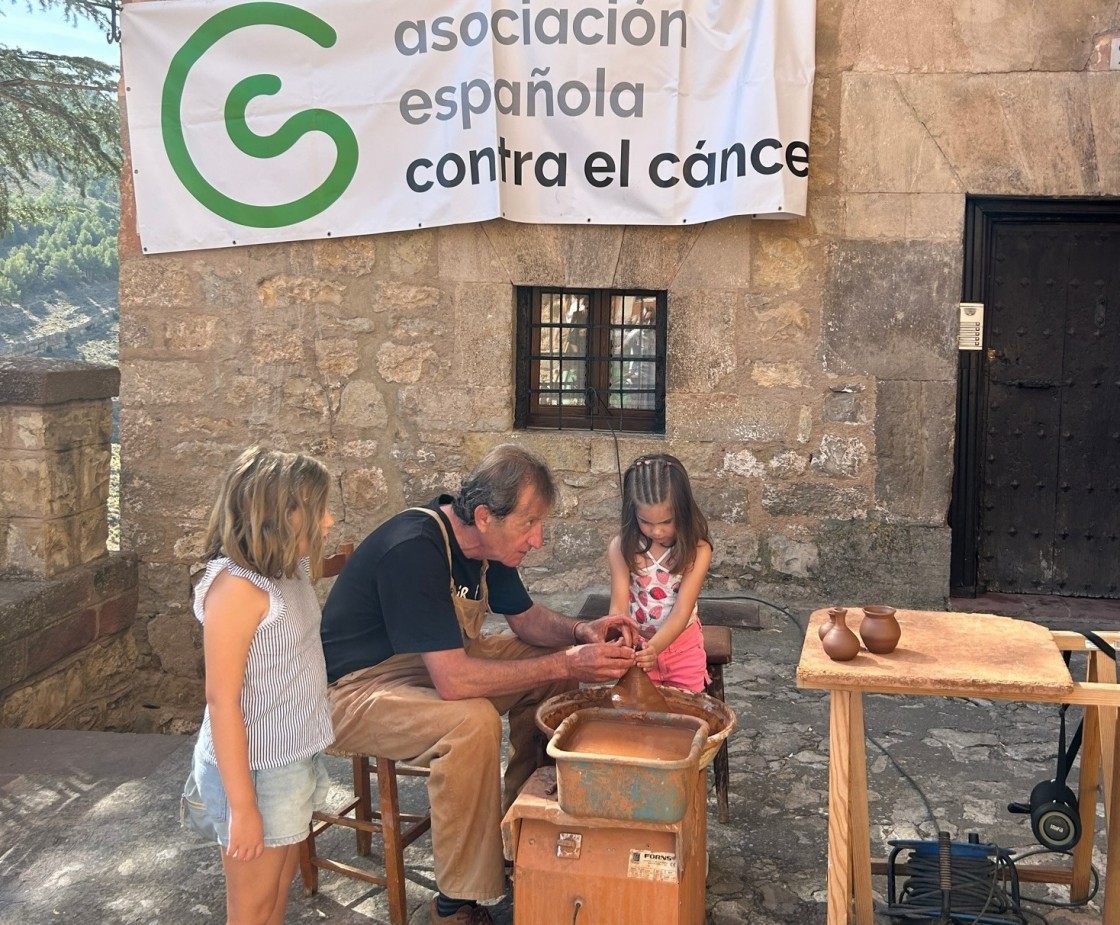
column 258, row 772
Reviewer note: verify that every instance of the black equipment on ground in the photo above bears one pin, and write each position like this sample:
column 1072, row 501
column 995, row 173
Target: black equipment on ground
column 1055, row 819
column 947, row 881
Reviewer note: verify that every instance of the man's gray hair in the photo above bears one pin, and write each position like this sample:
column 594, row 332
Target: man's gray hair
column 497, row 482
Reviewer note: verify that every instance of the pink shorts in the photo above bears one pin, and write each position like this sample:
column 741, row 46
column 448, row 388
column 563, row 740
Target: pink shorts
column 683, row 663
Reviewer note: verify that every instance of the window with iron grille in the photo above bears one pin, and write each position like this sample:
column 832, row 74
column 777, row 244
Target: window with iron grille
column 591, row 359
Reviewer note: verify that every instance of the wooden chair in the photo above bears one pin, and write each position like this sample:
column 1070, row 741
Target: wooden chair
column 397, row 830
column 717, row 648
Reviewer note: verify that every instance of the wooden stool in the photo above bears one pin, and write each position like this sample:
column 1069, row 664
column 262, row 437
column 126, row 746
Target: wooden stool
column 398, row 830
column 717, row 648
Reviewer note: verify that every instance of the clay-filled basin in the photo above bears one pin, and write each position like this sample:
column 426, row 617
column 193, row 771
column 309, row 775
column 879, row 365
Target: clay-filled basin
column 718, row 715
column 615, row 736
column 624, row 764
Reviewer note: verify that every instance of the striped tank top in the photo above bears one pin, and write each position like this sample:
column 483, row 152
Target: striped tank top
column 284, row 693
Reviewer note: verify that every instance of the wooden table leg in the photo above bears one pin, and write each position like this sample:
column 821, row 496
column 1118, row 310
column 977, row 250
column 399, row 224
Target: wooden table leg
column 857, row 810
column 1111, row 904
column 849, row 842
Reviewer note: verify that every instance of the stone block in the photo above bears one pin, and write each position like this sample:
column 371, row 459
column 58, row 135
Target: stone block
column 719, row 258
column 53, row 643
column 43, row 621
column 466, row 254
column 1010, row 133
column 780, row 262
column 411, row 253
column 57, row 427
column 845, row 405
column 176, row 641
column 479, row 408
column 116, row 614
column 348, row 257
column 726, row 501
column 810, row 500
column 533, row 255
column 337, row 358
column 45, row 548
column 724, row 416
column 651, row 256
column 197, row 334
column 1104, row 110
column 409, row 363
column 769, row 327
column 843, row 457
column 365, row 493
column 777, row 375
column 904, row 565
column 701, row 351
column 904, row 216
column 158, row 282
column 792, row 557
column 890, row 310
column 146, row 383
column 283, row 291
column 362, row 408
column 404, row 299
column 824, row 135
column 89, row 690
column 41, row 381
column 484, row 331
column 915, row 427
column 885, row 145
column 592, row 256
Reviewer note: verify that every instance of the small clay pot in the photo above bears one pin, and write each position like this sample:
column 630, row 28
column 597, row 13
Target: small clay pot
column 840, row 643
column 879, row 629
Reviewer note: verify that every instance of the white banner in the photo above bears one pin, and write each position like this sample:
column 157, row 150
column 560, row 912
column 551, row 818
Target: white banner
column 272, row 121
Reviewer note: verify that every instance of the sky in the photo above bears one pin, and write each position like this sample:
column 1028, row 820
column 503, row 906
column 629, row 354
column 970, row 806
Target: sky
column 46, row 30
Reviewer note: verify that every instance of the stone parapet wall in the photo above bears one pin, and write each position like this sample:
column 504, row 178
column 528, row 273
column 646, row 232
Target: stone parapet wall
column 67, row 654
column 55, row 432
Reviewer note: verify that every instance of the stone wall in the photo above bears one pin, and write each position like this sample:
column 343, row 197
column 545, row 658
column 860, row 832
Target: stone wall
column 811, row 362
column 67, row 655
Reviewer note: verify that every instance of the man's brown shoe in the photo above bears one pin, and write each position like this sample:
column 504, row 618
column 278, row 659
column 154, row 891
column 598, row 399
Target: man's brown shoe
column 465, row 915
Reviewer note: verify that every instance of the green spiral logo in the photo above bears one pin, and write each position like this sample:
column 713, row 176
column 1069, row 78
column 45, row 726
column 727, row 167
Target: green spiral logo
column 260, row 146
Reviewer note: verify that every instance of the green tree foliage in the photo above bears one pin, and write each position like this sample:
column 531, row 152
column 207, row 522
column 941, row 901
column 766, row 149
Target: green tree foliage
column 79, row 245
column 58, row 113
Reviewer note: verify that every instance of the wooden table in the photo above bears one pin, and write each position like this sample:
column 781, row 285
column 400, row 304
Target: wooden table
column 961, row 655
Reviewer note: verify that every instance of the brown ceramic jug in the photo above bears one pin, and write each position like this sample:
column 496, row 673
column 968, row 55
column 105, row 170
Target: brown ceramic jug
column 833, row 615
column 840, row 643
column 879, row 629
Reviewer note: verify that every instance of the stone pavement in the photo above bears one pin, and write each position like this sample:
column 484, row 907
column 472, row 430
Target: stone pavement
column 89, row 833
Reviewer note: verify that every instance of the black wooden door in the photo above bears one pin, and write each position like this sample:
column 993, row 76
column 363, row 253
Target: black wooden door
column 1049, row 440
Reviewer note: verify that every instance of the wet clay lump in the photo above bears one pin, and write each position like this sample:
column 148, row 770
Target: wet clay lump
column 635, row 691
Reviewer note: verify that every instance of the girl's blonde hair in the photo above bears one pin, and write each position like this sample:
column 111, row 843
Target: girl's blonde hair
column 270, row 507
column 655, row 479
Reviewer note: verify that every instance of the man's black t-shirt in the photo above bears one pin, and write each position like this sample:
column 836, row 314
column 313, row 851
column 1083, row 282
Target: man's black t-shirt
column 394, row 595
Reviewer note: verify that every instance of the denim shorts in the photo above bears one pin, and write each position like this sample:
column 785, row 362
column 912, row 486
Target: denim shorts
column 286, row 797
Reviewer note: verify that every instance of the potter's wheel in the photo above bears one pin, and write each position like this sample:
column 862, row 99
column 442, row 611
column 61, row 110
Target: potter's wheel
column 717, row 714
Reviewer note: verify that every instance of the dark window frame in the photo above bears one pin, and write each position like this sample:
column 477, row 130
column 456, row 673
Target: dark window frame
column 600, row 408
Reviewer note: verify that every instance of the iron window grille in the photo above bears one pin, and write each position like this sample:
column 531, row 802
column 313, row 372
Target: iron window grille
column 591, row 359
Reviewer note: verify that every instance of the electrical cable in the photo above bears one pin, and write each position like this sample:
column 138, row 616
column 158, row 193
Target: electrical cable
column 910, row 780
column 948, row 886
column 1094, row 882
